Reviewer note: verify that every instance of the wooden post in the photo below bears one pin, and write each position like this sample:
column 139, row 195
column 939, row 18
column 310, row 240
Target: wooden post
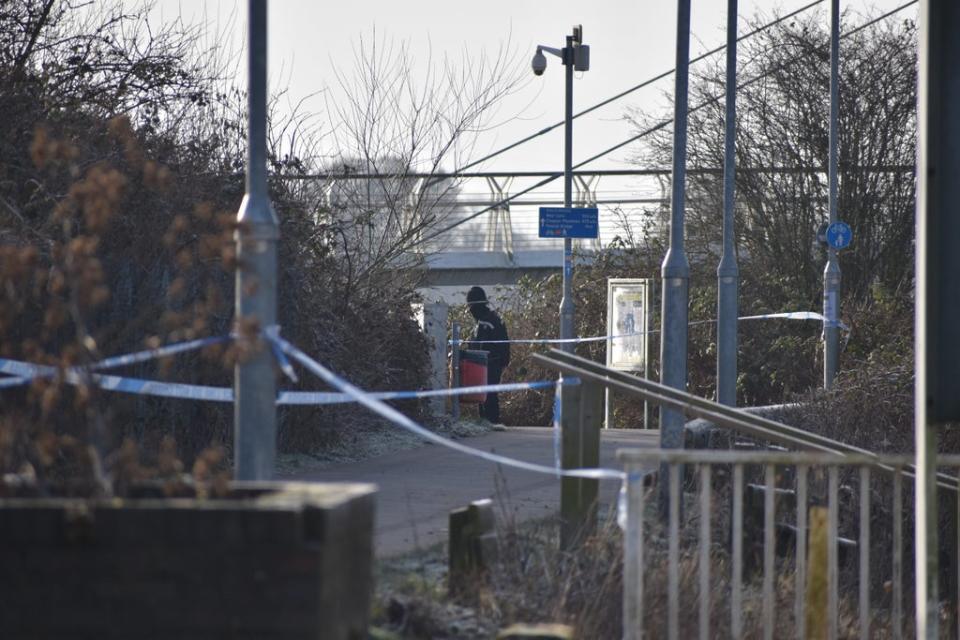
column 536, row 632
column 817, row 567
column 472, row 544
column 582, row 417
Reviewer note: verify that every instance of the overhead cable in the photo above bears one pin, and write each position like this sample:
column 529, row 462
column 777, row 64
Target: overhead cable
column 652, row 129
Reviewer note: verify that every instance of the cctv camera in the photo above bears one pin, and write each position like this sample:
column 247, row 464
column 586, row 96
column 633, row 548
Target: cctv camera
column 539, row 63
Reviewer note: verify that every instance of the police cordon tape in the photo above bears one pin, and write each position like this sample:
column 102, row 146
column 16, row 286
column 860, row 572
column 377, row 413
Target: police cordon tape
column 26, row 372
column 386, row 411
column 791, row 315
column 557, row 415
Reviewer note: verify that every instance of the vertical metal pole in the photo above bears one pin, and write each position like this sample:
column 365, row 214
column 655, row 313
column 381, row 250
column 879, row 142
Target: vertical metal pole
column 864, row 544
column 675, row 271
column 800, row 586
column 648, row 321
column 769, row 542
column 833, row 535
column 455, row 373
column 254, row 410
column 633, row 557
column 566, row 303
column 938, row 194
column 897, row 615
column 704, row 563
column 728, row 273
column 736, row 586
column 673, row 555
column 607, row 408
column 831, row 273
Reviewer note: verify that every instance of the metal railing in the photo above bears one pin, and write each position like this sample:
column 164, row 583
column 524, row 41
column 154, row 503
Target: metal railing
column 737, row 420
column 735, row 466
column 809, row 458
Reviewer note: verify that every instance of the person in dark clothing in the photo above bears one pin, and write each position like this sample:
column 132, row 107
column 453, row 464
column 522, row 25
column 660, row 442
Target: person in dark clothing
column 489, row 327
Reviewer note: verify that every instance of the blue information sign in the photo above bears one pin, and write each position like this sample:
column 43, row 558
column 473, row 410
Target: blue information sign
column 573, row 222
column 839, row 235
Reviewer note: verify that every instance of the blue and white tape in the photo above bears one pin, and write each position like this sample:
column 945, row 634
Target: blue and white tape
column 394, row 416
column 550, row 340
column 163, row 389
column 327, row 397
column 557, row 422
column 159, row 352
column 272, row 333
column 25, row 372
column 791, row 315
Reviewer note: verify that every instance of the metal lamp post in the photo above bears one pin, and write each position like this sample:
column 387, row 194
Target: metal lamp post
column 255, row 414
column 577, row 495
column 831, row 273
column 675, row 270
column 575, row 56
column 728, row 274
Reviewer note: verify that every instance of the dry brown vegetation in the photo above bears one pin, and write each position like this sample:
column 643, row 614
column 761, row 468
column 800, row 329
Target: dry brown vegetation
column 532, row 581
column 119, row 187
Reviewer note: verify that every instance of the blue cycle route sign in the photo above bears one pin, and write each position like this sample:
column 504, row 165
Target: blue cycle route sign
column 569, row 222
column 839, row 235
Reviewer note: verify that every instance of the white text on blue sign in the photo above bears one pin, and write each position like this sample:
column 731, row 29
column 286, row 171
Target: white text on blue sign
column 569, row 222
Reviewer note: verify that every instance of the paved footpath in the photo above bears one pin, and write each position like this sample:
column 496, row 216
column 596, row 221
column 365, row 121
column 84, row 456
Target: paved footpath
column 419, row 487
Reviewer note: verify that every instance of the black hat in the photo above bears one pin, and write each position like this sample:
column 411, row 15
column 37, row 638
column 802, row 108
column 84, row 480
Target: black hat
column 476, row 295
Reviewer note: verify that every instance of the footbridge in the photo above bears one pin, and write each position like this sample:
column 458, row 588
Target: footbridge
column 484, row 225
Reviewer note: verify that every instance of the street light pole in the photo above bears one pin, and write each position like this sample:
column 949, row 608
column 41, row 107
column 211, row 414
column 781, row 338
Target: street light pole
column 566, row 302
column 580, row 440
column 254, row 407
column 675, row 271
column 727, row 272
column 831, row 273
column 575, row 56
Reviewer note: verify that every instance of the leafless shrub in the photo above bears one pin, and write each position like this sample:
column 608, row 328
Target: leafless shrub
column 533, row 581
column 393, row 118
column 117, row 235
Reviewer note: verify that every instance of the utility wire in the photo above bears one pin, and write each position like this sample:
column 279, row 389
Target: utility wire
column 643, row 84
column 651, row 129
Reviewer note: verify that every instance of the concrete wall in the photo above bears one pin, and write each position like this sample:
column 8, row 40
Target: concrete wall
column 278, row 561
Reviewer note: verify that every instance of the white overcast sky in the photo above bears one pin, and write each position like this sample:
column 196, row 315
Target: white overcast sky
column 630, row 42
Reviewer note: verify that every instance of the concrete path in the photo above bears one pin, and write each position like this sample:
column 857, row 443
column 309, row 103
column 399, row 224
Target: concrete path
column 419, row 487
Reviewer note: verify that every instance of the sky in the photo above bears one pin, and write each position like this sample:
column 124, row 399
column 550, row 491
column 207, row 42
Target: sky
column 630, row 42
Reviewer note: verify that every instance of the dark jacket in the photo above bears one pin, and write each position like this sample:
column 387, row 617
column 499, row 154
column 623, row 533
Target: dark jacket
column 491, row 327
